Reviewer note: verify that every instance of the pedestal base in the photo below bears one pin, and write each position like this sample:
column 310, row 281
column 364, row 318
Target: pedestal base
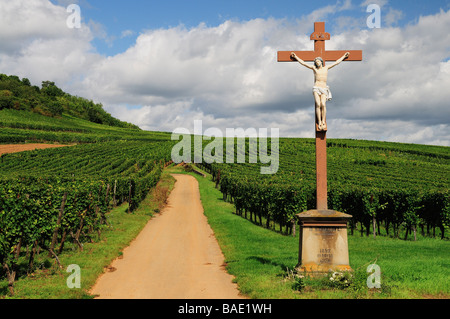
column 323, row 242
column 314, row 269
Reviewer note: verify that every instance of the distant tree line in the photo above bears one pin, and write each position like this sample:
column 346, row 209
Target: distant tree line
column 50, row 100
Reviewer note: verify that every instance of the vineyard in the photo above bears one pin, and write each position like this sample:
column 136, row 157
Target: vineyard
column 19, row 126
column 53, row 196
column 400, row 186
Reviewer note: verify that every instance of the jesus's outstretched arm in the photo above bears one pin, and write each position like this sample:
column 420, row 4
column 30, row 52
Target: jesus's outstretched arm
column 295, row 57
column 345, row 56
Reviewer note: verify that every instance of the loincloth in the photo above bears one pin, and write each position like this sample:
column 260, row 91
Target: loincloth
column 325, row 91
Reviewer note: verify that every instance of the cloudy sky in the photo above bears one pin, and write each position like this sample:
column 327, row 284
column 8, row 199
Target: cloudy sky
column 163, row 64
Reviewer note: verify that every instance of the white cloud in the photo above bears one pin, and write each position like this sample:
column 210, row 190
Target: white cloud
column 321, row 13
column 228, row 76
column 381, row 3
column 392, row 17
column 35, row 42
column 126, row 33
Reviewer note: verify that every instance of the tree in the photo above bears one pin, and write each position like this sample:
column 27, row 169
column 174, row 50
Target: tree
column 55, row 108
column 26, row 82
column 50, row 89
column 94, row 116
column 5, row 99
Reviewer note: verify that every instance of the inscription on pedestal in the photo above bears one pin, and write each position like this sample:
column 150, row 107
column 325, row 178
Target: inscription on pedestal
column 325, row 256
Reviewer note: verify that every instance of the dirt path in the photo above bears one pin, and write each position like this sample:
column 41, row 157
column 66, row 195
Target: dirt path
column 176, row 256
column 15, row 148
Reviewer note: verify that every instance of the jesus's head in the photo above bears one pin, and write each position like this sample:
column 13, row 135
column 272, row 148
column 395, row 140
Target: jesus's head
column 318, row 62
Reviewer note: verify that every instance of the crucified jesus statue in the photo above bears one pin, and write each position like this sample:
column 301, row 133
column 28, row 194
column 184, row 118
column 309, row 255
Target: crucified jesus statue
column 321, row 91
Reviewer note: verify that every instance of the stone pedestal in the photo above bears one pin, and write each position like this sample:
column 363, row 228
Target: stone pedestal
column 323, row 242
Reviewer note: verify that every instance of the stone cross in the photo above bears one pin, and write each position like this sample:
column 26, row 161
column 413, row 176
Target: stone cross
column 323, row 232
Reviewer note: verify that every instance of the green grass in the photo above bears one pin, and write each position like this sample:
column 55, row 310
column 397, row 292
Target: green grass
column 262, row 260
column 50, row 282
column 416, row 268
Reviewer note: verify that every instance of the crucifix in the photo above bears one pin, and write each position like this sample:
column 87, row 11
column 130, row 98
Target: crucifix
column 321, row 94
column 323, row 232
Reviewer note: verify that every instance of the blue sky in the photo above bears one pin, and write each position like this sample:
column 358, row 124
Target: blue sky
column 122, row 21
column 164, row 64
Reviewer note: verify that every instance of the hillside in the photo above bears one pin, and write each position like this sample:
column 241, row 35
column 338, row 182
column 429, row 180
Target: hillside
column 51, row 101
column 29, row 114
column 18, row 126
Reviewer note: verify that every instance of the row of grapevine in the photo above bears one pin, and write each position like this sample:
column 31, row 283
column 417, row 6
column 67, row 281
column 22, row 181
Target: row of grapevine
column 280, row 201
column 23, row 126
column 407, row 208
column 398, row 186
